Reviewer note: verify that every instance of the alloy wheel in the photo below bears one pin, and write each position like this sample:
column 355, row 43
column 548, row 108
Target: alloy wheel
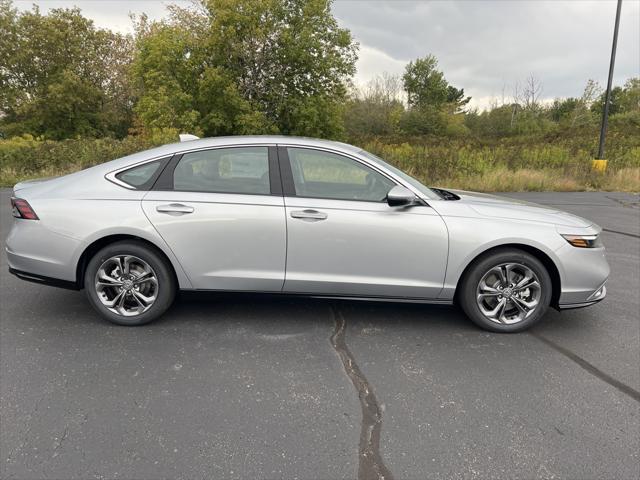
column 126, row 285
column 508, row 293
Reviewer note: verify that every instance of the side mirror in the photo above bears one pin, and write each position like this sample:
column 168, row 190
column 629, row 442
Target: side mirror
column 400, row 196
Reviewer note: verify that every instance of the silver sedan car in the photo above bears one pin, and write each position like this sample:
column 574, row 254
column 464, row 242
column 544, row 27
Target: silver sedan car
column 296, row 216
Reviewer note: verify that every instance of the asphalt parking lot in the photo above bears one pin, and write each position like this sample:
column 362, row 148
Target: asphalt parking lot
column 244, row 387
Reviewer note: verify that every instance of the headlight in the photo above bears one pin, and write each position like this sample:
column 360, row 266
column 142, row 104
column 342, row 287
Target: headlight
column 583, row 241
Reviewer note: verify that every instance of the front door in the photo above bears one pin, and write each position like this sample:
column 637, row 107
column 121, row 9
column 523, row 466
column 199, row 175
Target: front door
column 219, row 215
column 344, row 239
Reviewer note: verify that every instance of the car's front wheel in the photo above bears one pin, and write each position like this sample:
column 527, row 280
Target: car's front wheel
column 129, row 283
column 507, row 290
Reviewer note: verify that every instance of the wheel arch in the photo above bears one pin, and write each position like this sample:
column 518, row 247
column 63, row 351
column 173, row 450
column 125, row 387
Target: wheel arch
column 102, row 242
column 544, row 258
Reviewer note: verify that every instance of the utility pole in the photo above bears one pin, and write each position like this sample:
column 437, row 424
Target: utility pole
column 600, row 164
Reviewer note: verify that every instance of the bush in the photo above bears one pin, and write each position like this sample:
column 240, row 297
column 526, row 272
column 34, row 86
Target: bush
column 29, row 157
column 558, row 160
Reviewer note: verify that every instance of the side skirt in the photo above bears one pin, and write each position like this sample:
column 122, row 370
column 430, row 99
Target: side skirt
column 224, row 293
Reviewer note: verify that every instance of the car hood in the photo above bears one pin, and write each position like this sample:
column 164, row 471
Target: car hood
column 503, row 207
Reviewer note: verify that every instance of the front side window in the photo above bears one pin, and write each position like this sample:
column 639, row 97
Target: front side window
column 243, row 170
column 407, row 178
column 139, row 176
column 319, row 174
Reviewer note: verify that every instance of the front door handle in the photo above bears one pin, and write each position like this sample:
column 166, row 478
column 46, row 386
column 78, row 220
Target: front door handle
column 309, row 215
column 174, row 209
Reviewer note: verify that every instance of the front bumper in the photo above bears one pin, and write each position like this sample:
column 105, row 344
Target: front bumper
column 584, row 272
column 595, row 297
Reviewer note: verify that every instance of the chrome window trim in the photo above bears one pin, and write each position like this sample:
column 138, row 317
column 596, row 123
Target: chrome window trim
column 363, row 161
column 111, row 176
column 231, row 145
column 182, row 154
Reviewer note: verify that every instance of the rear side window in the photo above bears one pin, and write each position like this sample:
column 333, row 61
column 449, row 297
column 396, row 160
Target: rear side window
column 139, row 177
column 243, row 170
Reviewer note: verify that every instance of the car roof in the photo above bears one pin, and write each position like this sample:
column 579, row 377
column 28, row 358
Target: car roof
column 179, row 147
column 252, row 139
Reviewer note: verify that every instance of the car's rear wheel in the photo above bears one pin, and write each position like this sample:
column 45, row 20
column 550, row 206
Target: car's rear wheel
column 129, row 283
column 507, row 290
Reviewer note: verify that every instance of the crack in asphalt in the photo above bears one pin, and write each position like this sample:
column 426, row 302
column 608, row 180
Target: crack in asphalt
column 589, row 367
column 624, row 203
column 633, row 235
column 370, row 465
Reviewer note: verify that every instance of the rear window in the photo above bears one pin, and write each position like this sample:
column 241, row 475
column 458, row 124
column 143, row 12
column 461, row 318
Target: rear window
column 139, row 177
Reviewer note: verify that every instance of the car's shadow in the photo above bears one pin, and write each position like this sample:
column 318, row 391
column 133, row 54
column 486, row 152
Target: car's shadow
column 277, row 308
column 290, row 312
column 271, row 313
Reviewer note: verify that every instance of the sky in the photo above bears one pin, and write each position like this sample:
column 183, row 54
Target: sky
column 483, row 46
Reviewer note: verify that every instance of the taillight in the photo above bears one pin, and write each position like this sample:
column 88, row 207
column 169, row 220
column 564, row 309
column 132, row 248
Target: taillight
column 22, row 209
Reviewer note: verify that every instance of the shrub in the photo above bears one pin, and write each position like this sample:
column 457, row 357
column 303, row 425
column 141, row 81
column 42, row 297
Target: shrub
column 29, row 157
column 558, row 160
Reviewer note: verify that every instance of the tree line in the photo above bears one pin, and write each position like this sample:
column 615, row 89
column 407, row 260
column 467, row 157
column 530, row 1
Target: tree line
column 225, row 67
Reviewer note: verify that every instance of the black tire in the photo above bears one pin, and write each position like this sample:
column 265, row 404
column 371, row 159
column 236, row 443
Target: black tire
column 468, row 288
column 163, row 271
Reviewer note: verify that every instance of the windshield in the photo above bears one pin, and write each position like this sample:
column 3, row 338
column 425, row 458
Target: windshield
column 412, row 181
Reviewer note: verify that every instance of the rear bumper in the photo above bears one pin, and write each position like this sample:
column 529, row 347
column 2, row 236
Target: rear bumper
column 42, row 280
column 37, row 251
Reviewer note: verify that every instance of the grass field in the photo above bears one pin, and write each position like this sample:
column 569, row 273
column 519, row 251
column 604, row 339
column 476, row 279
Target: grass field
column 552, row 162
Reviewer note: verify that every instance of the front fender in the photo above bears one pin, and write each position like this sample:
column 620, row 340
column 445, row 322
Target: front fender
column 471, row 237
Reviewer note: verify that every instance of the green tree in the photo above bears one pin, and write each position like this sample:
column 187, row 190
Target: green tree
column 433, row 103
column 562, row 109
column 245, row 66
column 495, row 121
column 60, row 76
column 624, row 99
column 630, row 98
column 424, row 84
column 376, row 108
column 614, row 105
column 455, row 97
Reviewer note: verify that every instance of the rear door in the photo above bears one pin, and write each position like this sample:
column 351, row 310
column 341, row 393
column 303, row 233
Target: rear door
column 343, row 237
column 221, row 211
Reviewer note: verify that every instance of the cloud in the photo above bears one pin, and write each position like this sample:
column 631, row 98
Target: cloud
column 483, row 46
column 111, row 14
column 373, row 62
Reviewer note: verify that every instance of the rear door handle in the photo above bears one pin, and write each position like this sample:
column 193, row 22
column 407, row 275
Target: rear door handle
column 309, row 215
column 174, row 209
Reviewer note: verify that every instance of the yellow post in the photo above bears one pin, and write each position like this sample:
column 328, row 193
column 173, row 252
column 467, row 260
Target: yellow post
column 599, row 165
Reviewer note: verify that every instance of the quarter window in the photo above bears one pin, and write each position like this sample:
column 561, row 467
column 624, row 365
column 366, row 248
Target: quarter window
column 319, row 174
column 243, row 170
column 139, row 176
